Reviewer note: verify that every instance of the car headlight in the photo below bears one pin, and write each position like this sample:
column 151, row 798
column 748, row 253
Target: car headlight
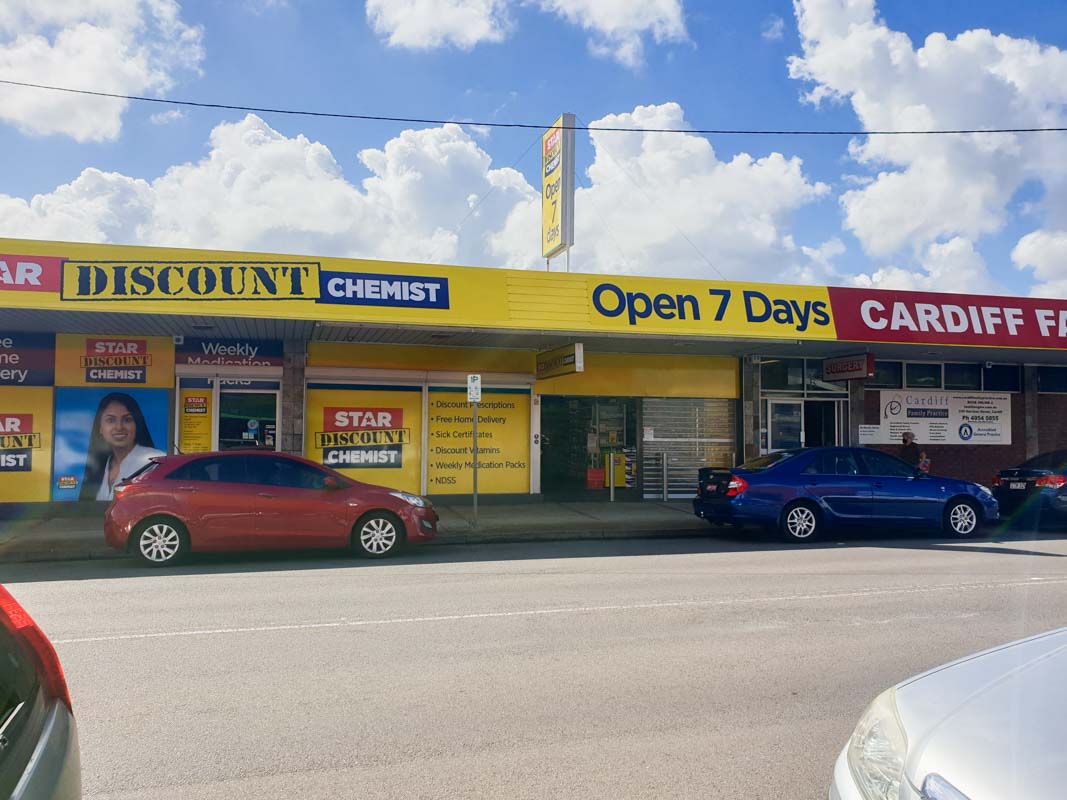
column 413, row 499
column 877, row 749
column 984, row 489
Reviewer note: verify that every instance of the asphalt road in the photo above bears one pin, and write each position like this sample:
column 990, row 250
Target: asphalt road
column 712, row 668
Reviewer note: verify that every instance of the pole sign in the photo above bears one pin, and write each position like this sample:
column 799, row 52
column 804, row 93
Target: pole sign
column 848, row 368
column 474, row 388
column 561, row 361
column 557, row 187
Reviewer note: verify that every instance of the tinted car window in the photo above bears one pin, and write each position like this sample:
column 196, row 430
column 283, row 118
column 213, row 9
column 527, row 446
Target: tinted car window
column 833, row 462
column 887, row 466
column 769, row 460
column 211, row 470
column 1056, row 460
column 289, row 474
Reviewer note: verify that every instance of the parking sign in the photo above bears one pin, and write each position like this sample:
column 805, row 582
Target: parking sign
column 474, row 388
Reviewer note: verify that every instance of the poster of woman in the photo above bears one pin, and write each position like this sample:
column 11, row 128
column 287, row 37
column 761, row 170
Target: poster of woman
column 103, row 437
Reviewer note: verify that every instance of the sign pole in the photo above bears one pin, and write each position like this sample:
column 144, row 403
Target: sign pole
column 474, row 397
column 474, row 450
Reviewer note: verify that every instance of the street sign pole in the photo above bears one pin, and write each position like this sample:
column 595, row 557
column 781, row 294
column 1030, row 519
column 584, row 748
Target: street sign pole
column 474, row 450
column 474, row 397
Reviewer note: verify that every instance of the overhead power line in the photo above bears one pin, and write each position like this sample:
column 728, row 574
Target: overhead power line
column 527, row 125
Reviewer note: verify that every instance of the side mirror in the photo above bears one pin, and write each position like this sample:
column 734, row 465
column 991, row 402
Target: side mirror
column 331, row 483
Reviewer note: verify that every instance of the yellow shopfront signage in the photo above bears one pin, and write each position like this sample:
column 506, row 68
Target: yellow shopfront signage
column 25, row 443
column 88, row 277
column 135, row 361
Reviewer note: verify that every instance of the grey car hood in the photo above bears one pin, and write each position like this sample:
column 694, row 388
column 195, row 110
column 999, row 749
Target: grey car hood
column 994, row 725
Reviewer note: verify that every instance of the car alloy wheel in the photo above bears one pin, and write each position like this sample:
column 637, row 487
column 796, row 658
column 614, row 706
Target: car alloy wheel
column 159, row 543
column 800, row 523
column 379, row 535
column 962, row 518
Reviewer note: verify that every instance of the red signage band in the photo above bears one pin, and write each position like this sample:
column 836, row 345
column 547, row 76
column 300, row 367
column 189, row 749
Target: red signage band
column 11, row 424
column 30, row 273
column 863, row 315
column 361, row 419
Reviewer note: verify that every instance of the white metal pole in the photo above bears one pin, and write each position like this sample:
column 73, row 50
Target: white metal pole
column 474, row 451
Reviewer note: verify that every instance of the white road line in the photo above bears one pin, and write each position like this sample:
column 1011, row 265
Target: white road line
column 535, row 612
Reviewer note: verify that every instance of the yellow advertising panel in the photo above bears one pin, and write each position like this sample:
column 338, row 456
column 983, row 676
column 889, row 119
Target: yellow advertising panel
column 25, row 444
column 95, row 361
column 503, row 442
column 612, row 375
column 370, row 433
column 143, row 280
column 195, row 417
column 557, row 187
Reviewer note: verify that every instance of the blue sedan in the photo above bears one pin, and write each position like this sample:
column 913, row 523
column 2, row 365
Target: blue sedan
column 802, row 492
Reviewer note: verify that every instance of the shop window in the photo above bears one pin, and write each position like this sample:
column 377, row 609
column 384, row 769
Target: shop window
column 1002, row 378
column 923, row 376
column 1052, row 379
column 887, row 375
column 815, row 383
column 782, row 374
column 963, row 376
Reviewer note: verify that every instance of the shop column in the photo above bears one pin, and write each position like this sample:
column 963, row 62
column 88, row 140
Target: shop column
column 856, row 395
column 750, row 406
column 292, row 421
column 1030, row 407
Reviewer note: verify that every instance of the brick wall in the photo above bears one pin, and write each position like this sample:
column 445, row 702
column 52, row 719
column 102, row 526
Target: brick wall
column 1052, row 422
column 975, row 462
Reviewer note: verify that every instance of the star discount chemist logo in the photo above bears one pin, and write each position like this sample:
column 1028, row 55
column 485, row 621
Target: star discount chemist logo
column 17, row 442
column 246, row 280
column 363, row 437
column 116, row 361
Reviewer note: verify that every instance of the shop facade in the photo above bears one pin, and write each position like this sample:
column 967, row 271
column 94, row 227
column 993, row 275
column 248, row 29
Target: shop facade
column 362, row 366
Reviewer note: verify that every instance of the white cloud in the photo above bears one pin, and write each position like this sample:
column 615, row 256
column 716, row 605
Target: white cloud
column 933, row 189
column 664, row 204
column 617, row 27
column 773, row 29
column 952, row 266
column 426, row 24
column 120, row 46
column 654, row 201
column 1044, row 252
column 167, row 117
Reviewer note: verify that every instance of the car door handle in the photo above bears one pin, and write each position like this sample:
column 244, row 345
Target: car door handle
column 186, row 488
column 265, row 494
column 877, row 484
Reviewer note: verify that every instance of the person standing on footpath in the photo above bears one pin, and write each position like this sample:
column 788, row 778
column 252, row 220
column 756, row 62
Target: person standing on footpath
column 910, row 451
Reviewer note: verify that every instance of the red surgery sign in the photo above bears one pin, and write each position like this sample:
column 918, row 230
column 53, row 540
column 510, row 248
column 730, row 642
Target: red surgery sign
column 862, row 315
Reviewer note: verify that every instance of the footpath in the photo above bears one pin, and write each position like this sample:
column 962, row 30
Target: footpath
column 70, row 536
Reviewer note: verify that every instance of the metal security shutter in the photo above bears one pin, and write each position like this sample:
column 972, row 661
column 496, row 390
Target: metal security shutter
column 690, row 434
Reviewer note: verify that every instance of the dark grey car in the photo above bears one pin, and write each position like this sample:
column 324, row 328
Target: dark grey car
column 38, row 738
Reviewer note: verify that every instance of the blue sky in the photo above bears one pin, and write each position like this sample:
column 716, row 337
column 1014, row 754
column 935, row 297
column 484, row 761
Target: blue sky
column 717, row 64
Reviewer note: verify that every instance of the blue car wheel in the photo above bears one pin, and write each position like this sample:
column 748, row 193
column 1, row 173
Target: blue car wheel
column 962, row 518
column 800, row 522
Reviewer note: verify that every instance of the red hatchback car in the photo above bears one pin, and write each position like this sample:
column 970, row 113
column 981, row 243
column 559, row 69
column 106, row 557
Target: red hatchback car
column 256, row 500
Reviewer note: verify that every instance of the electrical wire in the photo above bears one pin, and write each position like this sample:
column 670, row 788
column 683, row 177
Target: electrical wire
column 531, row 126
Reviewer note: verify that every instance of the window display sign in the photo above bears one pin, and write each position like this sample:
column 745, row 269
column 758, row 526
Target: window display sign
column 25, row 444
column 27, row 359
column 371, row 433
column 195, row 418
column 103, row 436
column 943, row 418
column 145, row 361
column 503, row 442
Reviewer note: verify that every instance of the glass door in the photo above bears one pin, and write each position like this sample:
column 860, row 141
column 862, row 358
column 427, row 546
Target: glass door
column 248, row 419
column 786, row 429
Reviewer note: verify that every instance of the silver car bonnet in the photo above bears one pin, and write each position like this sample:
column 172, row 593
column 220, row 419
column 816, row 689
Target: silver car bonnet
column 993, row 724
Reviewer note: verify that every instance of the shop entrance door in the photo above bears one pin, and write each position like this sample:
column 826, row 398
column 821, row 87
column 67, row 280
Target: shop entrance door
column 786, row 425
column 248, row 419
column 578, row 434
column 820, row 423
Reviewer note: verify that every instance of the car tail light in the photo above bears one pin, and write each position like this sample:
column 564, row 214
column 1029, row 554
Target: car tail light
column 21, row 625
column 736, row 486
column 1052, row 481
column 996, row 480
